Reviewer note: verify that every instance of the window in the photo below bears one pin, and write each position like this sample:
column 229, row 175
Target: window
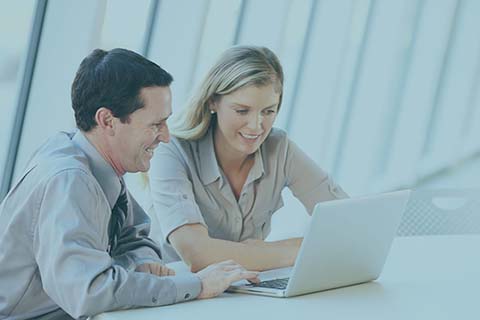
column 15, row 24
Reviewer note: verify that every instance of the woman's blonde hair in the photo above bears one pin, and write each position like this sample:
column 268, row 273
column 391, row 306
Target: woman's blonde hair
column 237, row 67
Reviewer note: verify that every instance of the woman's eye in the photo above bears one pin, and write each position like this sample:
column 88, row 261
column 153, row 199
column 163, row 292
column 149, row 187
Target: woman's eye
column 242, row 111
column 269, row 112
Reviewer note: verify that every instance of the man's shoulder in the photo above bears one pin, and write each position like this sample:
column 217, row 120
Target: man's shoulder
column 58, row 154
column 57, row 163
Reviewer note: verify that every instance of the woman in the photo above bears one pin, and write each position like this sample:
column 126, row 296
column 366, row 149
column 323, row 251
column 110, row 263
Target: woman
column 217, row 183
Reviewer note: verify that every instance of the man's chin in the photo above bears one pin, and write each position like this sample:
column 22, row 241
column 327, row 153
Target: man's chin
column 143, row 168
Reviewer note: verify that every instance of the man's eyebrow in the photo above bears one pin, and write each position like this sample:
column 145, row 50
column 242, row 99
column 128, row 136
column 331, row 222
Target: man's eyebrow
column 161, row 120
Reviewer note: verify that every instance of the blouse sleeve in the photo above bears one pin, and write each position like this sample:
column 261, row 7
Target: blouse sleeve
column 171, row 191
column 307, row 181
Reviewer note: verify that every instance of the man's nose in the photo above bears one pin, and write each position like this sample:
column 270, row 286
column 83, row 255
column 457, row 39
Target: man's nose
column 164, row 135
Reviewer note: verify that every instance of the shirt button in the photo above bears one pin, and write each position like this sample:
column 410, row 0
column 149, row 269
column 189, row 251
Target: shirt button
column 184, row 196
column 187, row 296
column 154, row 300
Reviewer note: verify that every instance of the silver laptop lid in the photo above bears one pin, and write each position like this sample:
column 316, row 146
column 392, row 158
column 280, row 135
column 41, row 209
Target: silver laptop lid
column 347, row 243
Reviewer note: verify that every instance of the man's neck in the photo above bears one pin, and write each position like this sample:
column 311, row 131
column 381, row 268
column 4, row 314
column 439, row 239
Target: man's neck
column 99, row 142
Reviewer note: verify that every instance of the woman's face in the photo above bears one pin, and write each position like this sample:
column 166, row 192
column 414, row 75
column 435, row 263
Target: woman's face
column 245, row 118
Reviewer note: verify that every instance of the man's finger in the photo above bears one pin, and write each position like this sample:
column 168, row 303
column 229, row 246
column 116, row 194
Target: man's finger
column 152, row 269
column 157, row 270
column 227, row 263
column 166, row 271
column 235, row 276
column 234, row 267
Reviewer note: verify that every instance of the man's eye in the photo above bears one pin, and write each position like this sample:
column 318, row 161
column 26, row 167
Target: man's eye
column 269, row 112
column 242, row 111
column 157, row 127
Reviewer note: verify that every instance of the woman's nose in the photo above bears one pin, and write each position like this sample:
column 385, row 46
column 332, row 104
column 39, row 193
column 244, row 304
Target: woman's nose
column 255, row 121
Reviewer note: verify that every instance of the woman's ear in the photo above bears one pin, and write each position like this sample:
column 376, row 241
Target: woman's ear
column 105, row 120
column 213, row 105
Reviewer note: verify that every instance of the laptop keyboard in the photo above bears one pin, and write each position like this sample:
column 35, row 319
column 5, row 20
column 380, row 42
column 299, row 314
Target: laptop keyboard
column 274, row 284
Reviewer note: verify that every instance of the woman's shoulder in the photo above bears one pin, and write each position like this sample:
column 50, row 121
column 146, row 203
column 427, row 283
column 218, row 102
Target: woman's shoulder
column 277, row 133
column 279, row 146
column 177, row 153
column 177, row 150
column 277, row 140
column 176, row 145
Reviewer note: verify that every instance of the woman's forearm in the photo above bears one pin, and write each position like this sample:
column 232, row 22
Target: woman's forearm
column 199, row 250
column 252, row 254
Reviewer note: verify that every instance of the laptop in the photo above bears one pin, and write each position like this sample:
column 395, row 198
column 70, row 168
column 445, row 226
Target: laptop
column 347, row 243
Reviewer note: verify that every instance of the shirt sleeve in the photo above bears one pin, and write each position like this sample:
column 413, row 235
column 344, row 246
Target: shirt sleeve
column 70, row 242
column 307, row 181
column 171, row 191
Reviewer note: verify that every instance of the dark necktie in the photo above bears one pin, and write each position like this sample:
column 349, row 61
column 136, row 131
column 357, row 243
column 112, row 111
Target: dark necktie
column 117, row 220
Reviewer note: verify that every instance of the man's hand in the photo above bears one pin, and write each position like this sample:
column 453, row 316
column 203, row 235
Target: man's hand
column 216, row 278
column 156, row 269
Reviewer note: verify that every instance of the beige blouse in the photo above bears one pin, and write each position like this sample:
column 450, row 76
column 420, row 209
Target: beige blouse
column 188, row 186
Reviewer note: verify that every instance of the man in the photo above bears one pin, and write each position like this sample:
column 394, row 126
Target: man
column 73, row 241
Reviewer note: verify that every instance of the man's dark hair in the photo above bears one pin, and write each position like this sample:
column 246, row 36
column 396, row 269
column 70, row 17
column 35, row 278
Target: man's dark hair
column 113, row 79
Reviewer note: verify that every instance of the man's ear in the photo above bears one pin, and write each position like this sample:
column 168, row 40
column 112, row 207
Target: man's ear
column 105, row 120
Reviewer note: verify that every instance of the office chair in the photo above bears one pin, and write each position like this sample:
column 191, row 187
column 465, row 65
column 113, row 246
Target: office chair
column 441, row 212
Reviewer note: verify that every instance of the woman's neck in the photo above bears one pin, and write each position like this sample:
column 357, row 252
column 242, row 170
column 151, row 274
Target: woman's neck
column 229, row 159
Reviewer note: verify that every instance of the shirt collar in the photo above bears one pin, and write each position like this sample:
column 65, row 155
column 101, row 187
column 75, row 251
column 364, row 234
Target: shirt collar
column 258, row 169
column 101, row 169
column 209, row 169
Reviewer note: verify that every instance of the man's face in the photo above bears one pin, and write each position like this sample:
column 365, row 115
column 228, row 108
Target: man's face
column 134, row 141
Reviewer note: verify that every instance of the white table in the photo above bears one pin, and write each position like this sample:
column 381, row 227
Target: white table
column 435, row 277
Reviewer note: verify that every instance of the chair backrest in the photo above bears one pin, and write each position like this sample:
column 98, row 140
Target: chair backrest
column 443, row 211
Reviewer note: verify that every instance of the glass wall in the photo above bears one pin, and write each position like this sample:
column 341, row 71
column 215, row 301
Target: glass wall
column 381, row 94
column 15, row 28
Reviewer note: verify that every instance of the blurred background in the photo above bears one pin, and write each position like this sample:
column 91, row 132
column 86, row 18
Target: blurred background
column 382, row 94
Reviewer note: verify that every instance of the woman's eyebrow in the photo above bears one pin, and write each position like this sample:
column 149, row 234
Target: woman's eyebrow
column 248, row 107
column 241, row 105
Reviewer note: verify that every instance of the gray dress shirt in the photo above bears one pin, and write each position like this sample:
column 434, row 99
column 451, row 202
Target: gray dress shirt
column 188, row 186
column 54, row 237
